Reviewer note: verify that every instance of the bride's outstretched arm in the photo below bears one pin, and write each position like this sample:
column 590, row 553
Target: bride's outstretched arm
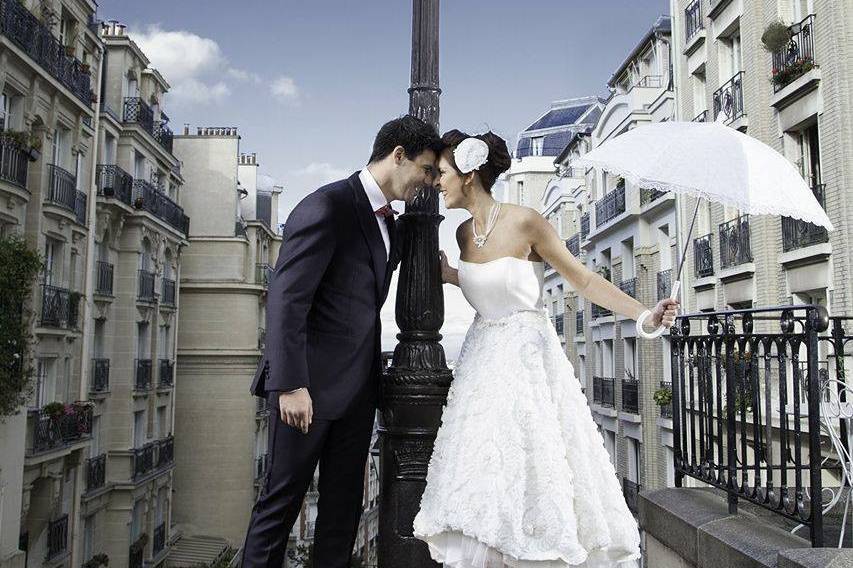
column 547, row 243
column 449, row 275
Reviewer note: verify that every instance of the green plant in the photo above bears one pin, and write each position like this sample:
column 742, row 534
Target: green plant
column 97, row 560
column 797, row 68
column 662, row 396
column 776, row 36
column 54, row 409
column 21, row 266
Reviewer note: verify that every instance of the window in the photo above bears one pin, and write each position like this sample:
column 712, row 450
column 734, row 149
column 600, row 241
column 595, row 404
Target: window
column 800, row 9
column 630, row 358
column 45, row 382
column 628, row 270
column 664, row 247
column 521, row 198
column 59, row 146
column 51, row 252
column 139, row 433
column 136, row 520
column 700, row 104
column 536, row 145
column 633, row 460
column 5, row 111
column 162, row 427
column 89, row 528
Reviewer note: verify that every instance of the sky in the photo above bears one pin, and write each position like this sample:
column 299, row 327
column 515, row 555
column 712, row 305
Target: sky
column 308, row 84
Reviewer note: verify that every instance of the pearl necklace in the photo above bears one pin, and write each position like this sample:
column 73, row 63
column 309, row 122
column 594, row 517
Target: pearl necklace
column 480, row 240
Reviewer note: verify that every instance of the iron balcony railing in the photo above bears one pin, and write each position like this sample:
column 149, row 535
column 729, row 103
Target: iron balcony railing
column 142, row 378
column 797, row 234
column 136, row 554
column 96, row 472
column 38, row 42
column 650, row 81
column 146, row 285
column 701, row 117
column 666, row 409
column 703, row 256
column 137, row 111
column 159, row 542
column 629, row 286
column 148, row 197
column 165, row 451
column 610, row 206
column 797, row 57
column 100, row 375
column 734, row 242
column 603, row 391
column 693, row 20
column 741, row 421
column 55, row 306
column 112, row 181
column 59, row 430
column 728, row 99
column 649, row 195
column 57, row 537
column 664, row 284
column 573, row 243
column 584, row 225
column 600, row 311
column 631, row 491
column 80, row 207
column 163, row 135
column 261, row 466
column 104, row 280
column 558, row 323
column 631, row 396
column 62, row 190
column 166, row 373
column 143, row 459
column 168, row 292
column 14, row 162
column 579, row 322
column 263, row 271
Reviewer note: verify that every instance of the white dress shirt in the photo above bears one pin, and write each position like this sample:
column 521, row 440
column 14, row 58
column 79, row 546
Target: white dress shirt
column 377, row 199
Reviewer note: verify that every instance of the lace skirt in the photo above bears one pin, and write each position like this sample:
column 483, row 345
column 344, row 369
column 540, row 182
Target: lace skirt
column 519, row 476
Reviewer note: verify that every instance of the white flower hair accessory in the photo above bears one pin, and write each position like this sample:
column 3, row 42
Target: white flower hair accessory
column 470, row 154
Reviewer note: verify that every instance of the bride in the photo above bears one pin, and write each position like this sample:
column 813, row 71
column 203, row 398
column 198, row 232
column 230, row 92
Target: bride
column 519, row 476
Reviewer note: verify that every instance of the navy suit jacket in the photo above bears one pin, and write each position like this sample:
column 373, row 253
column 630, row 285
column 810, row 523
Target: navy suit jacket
column 322, row 321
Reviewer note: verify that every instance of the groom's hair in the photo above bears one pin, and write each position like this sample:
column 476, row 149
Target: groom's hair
column 410, row 132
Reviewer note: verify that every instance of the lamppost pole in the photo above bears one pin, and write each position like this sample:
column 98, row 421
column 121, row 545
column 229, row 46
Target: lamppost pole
column 414, row 387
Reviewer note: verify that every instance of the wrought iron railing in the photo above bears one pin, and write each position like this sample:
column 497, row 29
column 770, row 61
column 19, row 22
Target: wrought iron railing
column 146, row 285
column 163, row 135
column 701, row 117
column 168, row 292
column 610, row 206
column 100, row 375
column 741, row 422
column 648, row 195
column 728, row 99
column 165, row 451
column 58, row 430
column 573, row 243
column 62, row 190
column 80, row 207
column 55, row 306
column 261, row 466
column 137, row 111
column 112, row 181
column 584, row 225
column 57, row 537
column 603, row 391
column 263, row 272
column 579, row 322
column 159, row 542
column 558, row 323
column 166, row 373
column 143, row 459
column 693, row 20
column 734, row 242
column 14, row 162
column 96, row 472
column 664, row 284
column 600, row 311
column 631, row 491
column 797, row 234
column 796, row 58
column 142, row 378
column 703, row 256
column 649, row 81
column 631, row 395
column 629, row 286
column 104, row 280
column 38, row 42
column 136, row 554
column 148, row 197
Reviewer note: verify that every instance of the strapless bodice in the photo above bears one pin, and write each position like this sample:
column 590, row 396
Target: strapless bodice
column 502, row 286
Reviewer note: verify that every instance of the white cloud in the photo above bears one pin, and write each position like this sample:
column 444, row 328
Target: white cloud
column 191, row 90
column 243, row 75
column 284, row 89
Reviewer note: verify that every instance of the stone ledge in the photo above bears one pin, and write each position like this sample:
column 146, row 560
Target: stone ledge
column 816, row 558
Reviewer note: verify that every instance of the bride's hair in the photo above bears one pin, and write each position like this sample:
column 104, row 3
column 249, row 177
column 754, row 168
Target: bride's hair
column 499, row 159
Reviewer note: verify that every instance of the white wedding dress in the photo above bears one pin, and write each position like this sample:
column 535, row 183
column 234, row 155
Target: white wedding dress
column 519, row 476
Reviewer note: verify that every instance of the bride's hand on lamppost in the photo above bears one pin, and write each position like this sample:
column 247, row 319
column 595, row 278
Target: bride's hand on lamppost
column 664, row 313
column 448, row 273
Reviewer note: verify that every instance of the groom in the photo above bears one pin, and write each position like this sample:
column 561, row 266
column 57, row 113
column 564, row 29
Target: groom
column 321, row 365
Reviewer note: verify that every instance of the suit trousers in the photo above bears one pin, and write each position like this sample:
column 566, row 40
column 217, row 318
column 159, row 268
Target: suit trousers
column 341, row 448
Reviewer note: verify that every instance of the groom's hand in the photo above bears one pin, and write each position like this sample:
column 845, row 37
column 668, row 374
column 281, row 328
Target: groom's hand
column 296, row 409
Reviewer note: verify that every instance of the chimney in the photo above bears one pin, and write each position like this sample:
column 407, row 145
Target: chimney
column 186, row 129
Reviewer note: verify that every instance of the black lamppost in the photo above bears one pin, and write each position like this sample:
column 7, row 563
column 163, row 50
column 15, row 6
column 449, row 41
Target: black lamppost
column 414, row 387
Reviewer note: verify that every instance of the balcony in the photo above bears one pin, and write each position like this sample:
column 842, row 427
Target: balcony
column 57, row 537
column 629, row 286
column 666, row 409
column 80, row 207
column 600, row 312
column 96, row 472
column 143, row 459
column 167, row 297
column 558, row 324
column 573, row 243
column 797, row 58
column 734, row 242
column 142, row 377
column 261, row 466
column 693, row 20
column 610, row 206
column 165, row 452
column 62, row 188
column 136, row 552
column 263, row 271
column 163, row 135
column 60, row 307
column 630, row 490
column 649, row 195
column 798, row 234
column 701, row 117
column 159, row 539
column 579, row 322
column 166, row 373
column 630, row 396
column 112, row 181
column 728, row 99
column 584, row 225
column 148, row 197
column 60, row 428
column 137, row 111
column 703, row 256
column 104, row 278
column 14, row 162
column 100, row 375
column 664, row 284
column 146, row 286
column 36, row 40
column 603, row 392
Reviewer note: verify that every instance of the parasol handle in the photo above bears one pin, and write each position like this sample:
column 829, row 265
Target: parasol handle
column 659, row 331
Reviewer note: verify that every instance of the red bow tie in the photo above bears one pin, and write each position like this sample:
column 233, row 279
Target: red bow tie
column 386, row 210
